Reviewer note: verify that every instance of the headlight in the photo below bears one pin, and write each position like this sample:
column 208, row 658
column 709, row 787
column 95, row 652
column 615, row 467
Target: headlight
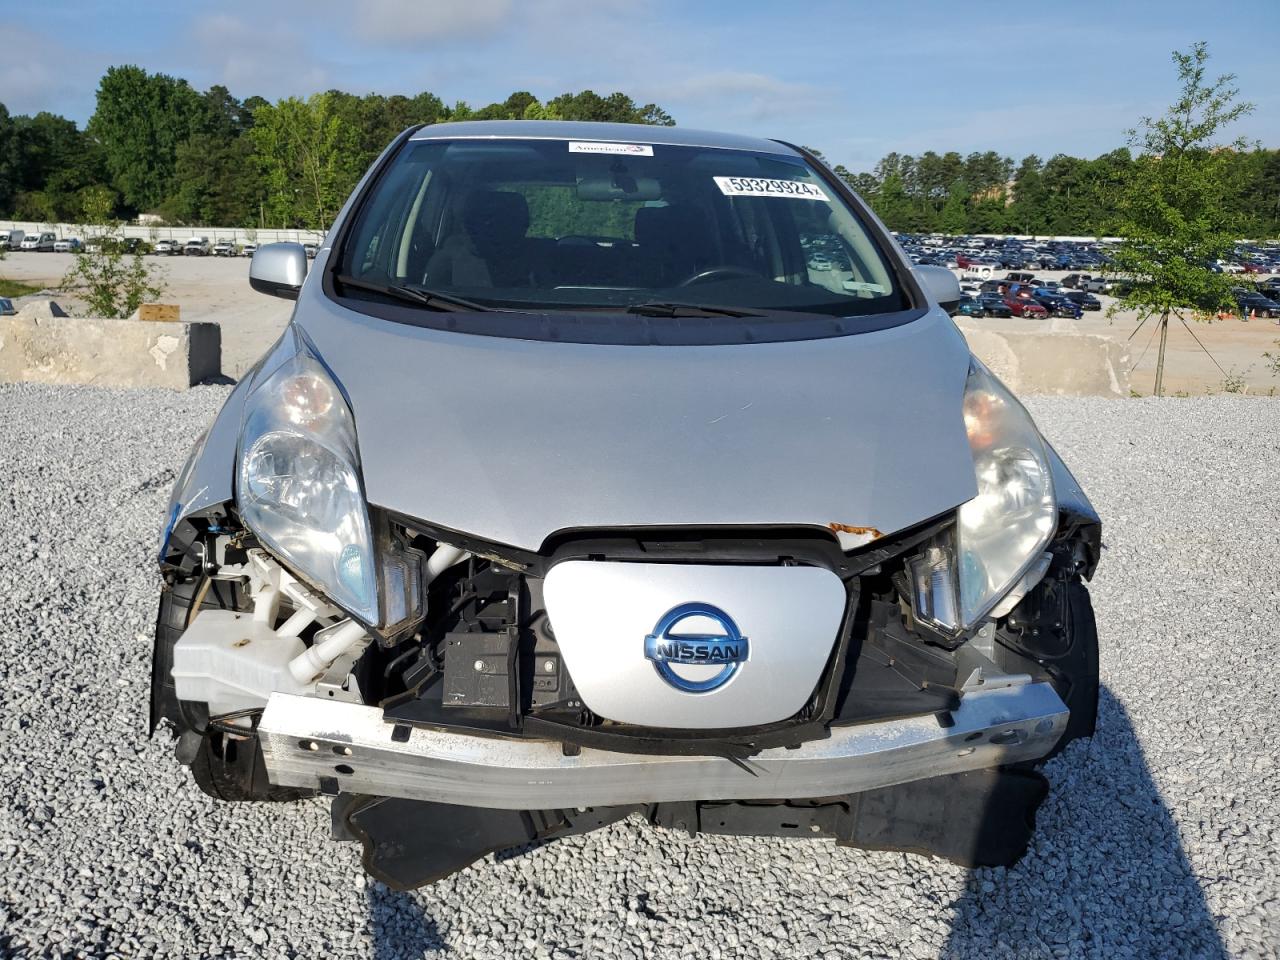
column 298, row 483
column 1002, row 532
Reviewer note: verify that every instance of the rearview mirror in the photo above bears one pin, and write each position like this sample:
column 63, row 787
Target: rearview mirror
column 940, row 285
column 278, row 269
column 619, row 187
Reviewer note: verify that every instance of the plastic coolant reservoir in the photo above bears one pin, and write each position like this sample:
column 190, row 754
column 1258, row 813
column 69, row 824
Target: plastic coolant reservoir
column 232, row 662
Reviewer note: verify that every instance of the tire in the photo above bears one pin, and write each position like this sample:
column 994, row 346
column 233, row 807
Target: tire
column 234, row 770
column 222, row 767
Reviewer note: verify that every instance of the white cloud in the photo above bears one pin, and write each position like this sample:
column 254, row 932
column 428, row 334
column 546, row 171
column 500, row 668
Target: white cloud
column 263, row 58
column 414, row 21
column 754, row 96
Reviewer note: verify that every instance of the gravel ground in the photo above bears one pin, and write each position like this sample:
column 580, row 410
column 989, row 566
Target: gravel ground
column 1161, row 837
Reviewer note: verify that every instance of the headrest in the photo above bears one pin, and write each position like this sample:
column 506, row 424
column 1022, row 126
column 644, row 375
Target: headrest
column 494, row 218
column 652, row 225
column 674, row 227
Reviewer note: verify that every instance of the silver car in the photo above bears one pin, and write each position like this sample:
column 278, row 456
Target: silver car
column 575, row 491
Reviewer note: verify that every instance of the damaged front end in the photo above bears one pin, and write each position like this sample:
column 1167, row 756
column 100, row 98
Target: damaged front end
column 456, row 695
column 467, row 732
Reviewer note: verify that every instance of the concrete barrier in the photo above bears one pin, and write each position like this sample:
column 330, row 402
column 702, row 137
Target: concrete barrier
column 42, row 345
column 1037, row 361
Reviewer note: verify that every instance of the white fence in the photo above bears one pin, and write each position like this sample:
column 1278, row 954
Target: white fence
column 153, row 233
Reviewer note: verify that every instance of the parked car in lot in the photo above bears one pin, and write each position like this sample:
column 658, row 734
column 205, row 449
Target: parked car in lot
column 11, row 239
column 121, row 244
column 993, row 305
column 224, row 248
column 1255, row 304
column 39, row 242
column 1025, row 307
column 168, row 248
column 1013, row 260
column 1076, row 281
column 1086, row 301
column 365, row 604
column 1057, row 305
column 197, row 247
column 68, row 245
column 249, row 249
column 969, row 307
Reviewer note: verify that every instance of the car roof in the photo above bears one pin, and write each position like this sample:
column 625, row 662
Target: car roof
column 600, row 132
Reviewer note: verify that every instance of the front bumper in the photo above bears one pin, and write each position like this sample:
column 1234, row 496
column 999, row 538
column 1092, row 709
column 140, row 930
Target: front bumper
column 340, row 747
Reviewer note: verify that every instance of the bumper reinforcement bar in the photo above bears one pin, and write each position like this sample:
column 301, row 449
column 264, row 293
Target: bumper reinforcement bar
column 340, row 747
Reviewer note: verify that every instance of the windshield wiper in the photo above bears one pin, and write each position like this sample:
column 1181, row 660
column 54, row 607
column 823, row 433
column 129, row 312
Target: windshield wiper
column 668, row 309
column 403, row 291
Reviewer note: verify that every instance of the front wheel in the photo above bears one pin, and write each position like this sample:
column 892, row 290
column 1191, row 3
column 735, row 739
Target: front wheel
column 228, row 768
column 225, row 766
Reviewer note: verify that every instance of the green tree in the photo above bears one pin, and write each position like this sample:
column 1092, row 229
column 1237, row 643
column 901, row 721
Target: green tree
column 954, row 217
column 217, row 182
column 540, row 111
column 893, row 205
column 8, row 159
column 139, row 122
column 615, row 108
column 863, row 184
column 50, row 162
column 1172, row 214
column 1063, row 213
column 309, row 156
column 1027, row 212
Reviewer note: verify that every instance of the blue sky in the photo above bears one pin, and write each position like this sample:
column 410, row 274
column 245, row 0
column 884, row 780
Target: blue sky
column 856, row 80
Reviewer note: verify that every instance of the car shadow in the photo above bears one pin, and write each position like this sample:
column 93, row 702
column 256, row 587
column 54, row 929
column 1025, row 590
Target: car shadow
column 1106, row 874
column 399, row 926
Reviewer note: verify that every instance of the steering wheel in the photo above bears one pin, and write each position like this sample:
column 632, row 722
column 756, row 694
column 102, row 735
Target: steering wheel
column 716, row 273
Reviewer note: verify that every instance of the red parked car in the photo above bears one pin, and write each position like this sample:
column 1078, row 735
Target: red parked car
column 1025, row 308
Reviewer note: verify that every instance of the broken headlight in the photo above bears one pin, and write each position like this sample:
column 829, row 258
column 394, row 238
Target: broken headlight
column 1000, row 533
column 298, row 482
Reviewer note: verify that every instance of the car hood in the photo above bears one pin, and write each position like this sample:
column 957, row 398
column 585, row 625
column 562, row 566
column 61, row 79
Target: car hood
column 514, row 440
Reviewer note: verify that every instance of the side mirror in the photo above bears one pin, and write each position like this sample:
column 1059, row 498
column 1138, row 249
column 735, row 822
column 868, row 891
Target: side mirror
column 278, row 269
column 939, row 283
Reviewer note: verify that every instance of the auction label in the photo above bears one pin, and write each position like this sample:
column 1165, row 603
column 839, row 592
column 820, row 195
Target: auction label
column 628, row 149
column 755, row 187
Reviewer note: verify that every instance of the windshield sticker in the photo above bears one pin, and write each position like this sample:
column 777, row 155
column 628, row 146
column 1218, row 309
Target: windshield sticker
column 755, row 187
column 628, row 149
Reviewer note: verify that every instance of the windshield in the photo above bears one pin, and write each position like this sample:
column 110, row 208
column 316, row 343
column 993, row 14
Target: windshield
column 559, row 225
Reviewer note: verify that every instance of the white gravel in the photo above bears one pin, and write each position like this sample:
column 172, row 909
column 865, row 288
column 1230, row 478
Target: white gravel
column 1161, row 837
